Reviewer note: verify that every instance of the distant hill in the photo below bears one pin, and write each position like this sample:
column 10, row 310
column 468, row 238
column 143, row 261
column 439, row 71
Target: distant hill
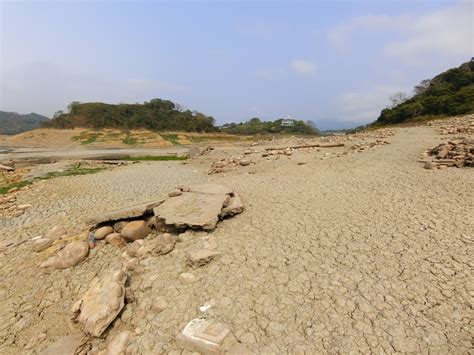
column 257, row 126
column 157, row 114
column 14, row 123
column 447, row 94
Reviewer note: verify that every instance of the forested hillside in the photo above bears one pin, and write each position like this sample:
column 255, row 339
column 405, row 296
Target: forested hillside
column 447, row 94
column 14, row 123
column 257, row 126
column 157, row 114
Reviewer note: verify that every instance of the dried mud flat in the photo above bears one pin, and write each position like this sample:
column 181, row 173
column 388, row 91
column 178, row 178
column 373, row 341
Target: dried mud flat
column 335, row 252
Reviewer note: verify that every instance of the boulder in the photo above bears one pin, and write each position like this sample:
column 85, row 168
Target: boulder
column 102, row 302
column 71, row 255
column 195, row 210
column 200, row 257
column 135, row 230
column 102, row 232
column 56, row 232
column 245, row 162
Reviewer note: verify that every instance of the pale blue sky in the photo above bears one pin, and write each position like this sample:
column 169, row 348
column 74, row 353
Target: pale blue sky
column 333, row 62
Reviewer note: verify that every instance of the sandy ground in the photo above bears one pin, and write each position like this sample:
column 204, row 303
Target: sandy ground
column 365, row 253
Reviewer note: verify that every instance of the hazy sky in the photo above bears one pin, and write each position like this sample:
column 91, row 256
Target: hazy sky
column 333, row 62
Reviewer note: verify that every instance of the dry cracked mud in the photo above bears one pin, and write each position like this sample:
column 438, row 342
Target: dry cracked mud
column 365, row 253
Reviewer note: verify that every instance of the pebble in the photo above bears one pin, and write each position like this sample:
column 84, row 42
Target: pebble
column 186, row 278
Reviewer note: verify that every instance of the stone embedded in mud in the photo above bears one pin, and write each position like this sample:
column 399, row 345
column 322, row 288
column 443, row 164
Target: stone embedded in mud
column 159, row 245
column 115, row 239
column 135, row 230
column 71, row 255
column 429, row 165
column 103, row 301
column 195, row 210
column 203, row 335
column 56, row 232
column 68, row 345
column 159, row 305
column 102, row 232
column 186, row 278
column 118, row 344
column 175, row 193
column 235, row 206
column 200, row 257
column 133, row 248
column 41, row 244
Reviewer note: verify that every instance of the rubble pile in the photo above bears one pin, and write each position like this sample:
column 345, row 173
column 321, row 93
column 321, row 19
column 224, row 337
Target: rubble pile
column 371, row 145
column 456, row 153
column 141, row 232
column 455, row 125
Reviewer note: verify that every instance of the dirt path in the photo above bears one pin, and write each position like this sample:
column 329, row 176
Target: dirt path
column 364, row 253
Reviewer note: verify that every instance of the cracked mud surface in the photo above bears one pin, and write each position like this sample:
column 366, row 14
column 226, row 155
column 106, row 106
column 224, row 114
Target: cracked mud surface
column 364, row 253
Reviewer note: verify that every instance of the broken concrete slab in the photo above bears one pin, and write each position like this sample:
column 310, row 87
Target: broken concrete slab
column 125, row 212
column 210, row 188
column 203, row 335
column 102, row 302
column 195, row 210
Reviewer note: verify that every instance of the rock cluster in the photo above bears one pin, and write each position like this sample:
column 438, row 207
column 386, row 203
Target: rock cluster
column 370, row 145
column 456, row 153
column 227, row 164
column 455, row 125
column 137, row 230
column 9, row 208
